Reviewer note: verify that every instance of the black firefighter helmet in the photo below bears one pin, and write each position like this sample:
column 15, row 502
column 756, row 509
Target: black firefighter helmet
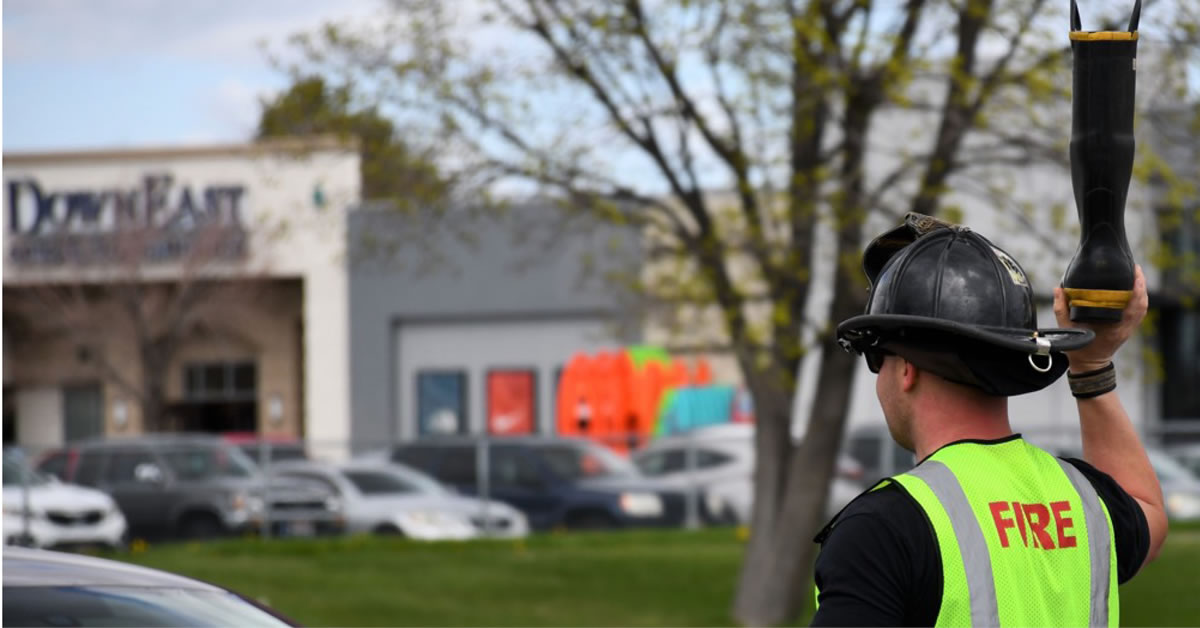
column 948, row 300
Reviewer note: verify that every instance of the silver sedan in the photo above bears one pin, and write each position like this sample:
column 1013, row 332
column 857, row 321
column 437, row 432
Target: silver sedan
column 718, row 462
column 389, row 498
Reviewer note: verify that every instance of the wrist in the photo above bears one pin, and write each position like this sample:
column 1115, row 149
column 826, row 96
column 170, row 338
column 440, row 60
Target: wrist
column 1081, row 367
column 1093, row 383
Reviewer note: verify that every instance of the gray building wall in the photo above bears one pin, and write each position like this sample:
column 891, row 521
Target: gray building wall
column 477, row 346
column 523, row 289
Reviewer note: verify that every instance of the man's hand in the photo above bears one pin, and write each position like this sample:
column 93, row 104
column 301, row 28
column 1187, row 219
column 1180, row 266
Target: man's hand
column 1109, row 336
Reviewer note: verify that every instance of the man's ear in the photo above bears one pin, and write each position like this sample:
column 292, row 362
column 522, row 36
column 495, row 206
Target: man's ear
column 908, row 375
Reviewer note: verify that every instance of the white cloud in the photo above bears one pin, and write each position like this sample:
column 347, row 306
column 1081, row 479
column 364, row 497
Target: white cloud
column 67, row 31
column 234, row 106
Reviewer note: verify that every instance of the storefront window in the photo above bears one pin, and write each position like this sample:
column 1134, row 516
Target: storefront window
column 10, row 417
column 1179, row 335
column 83, row 412
column 244, row 378
column 512, row 401
column 224, row 381
column 1179, row 319
column 441, row 402
column 219, row 397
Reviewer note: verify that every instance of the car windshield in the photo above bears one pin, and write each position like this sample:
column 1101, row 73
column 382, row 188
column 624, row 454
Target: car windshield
column 198, row 462
column 1169, row 469
column 278, row 452
column 424, row 483
column 129, row 606
column 1188, row 457
column 392, row 480
column 587, row 460
column 12, row 474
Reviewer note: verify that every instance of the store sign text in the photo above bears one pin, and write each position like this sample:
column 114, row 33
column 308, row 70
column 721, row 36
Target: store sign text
column 56, row 227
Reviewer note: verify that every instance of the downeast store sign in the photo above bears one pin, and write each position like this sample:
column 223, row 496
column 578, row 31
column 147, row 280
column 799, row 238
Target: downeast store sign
column 56, row 227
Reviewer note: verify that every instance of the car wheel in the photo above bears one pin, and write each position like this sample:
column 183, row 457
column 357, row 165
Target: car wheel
column 21, row 540
column 120, row 544
column 591, row 521
column 388, row 529
column 200, row 525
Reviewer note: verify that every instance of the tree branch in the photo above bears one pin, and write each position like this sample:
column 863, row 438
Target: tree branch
column 957, row 111
column 578, row 69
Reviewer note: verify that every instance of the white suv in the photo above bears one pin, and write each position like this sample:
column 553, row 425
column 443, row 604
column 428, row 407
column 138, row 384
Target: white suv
column 52, row 514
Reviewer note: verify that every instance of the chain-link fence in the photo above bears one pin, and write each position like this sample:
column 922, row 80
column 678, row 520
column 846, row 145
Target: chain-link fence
column 465, row 486
column 197, row 486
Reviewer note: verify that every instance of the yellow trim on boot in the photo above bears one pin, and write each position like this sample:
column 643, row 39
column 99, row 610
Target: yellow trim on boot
column 1108, row 299
column 1104, row 36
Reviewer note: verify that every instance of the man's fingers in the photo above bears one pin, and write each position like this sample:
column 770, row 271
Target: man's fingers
column 1139, row 287
column 1140, row 301
column 1060, row 306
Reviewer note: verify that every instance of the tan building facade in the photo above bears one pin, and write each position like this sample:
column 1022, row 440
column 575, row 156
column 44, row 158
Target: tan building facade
column 199, row 289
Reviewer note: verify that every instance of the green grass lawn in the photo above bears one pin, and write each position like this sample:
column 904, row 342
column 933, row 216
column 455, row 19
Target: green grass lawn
column 600, row 579
column 651, row 578
column 1167, row 592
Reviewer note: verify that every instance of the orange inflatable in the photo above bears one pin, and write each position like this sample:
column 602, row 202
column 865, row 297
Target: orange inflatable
column 614, row 397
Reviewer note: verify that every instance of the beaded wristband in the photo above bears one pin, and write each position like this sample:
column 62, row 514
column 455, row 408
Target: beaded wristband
column 1093, row 383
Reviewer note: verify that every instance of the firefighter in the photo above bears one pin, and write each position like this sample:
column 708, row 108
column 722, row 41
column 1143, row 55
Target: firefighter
column 987, row 529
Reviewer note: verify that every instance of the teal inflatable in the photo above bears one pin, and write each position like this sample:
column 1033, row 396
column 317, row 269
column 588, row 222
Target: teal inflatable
column 688, row 408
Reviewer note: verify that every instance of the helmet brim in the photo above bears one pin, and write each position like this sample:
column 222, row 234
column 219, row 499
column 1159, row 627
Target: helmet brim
column 867, row 330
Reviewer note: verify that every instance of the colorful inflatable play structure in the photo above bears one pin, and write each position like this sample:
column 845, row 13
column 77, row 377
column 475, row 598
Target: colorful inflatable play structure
column 691, row 407
column 623, row 398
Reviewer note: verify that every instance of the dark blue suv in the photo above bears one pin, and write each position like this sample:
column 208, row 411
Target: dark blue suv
column 556, row 482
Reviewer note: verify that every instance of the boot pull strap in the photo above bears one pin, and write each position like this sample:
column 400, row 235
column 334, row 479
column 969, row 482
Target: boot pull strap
column 1077, row 25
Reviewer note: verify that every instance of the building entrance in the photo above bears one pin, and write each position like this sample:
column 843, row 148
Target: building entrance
column 217, row 416
column 219, row 397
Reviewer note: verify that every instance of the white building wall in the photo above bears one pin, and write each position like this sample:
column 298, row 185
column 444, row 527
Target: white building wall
column 40, row 415
column 291, row 235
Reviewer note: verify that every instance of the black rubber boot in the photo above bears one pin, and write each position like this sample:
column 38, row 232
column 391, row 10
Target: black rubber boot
column 1099, row 279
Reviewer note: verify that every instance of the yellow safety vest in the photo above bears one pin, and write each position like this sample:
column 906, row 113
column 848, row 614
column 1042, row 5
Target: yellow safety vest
column 1024, row 538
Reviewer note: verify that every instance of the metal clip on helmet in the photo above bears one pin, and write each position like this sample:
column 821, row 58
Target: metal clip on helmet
column 954, row 304
column 1099, row 280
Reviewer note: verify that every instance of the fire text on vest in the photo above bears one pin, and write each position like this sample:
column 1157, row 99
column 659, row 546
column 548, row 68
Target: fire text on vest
column 1032, row 521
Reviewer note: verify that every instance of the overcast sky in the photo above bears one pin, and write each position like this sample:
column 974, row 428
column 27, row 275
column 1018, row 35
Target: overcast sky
column 114, row 73
column 111, row 73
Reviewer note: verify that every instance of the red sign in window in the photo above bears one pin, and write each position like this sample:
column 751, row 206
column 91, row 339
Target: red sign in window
column 511, row 402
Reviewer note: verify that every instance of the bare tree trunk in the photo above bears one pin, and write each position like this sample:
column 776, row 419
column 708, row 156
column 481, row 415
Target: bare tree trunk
column 777, row 568
column 155, row 365
column 812, row 474
column 154, row 406
column 776, row 574
column 774, row 450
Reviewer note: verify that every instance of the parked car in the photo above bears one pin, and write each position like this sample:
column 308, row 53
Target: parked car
column 389, row 498
column 260, row 450
column 1180, row 487
column 556, row 482
column 722, row 469
column 40, row 511
column 872, row 447
column 1188, row 455
column 43, row 588
column 194, row 486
